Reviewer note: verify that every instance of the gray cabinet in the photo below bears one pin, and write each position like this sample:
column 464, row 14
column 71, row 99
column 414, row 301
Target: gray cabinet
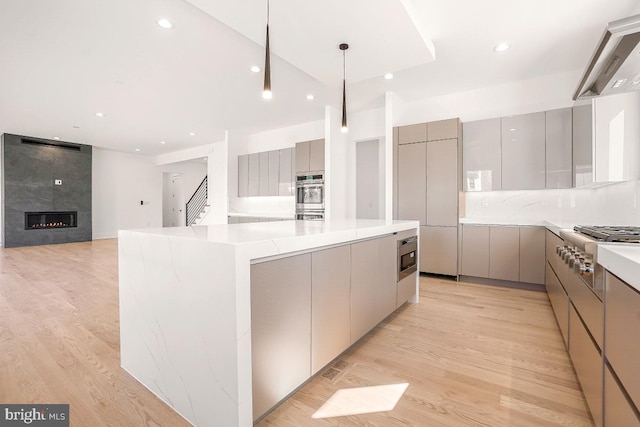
column 286, row 174
column 582, row 128
column 523, row 152
column 274, row 173
column 264, row 174
column 532, row 255
column 618, row 411
column 442, row 183
column 330, row 288
column 254, row 175
column 587, row 363
column 243, row 175
column 559, row 301
column 504, row 253
column 439, row 250
column 310, row 156
column 443, row 129
column 559, row 159
column 412, row 182
column 475, row 250
column 373, row 283
column 481, row 157
column 280, row 338
column 411, row 134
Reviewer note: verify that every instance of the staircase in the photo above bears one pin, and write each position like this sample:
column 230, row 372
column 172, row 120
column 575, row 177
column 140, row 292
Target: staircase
column 197, row 207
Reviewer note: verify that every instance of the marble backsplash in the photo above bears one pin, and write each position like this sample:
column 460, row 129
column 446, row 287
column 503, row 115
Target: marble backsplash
column 611, row 204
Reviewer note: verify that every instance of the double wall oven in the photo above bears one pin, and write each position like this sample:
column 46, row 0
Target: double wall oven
column 310, row 196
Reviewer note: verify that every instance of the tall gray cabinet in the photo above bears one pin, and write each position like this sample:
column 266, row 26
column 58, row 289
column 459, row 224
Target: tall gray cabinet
column 427, row 184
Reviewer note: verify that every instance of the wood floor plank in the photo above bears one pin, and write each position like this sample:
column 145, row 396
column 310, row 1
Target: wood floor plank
column 472, row 355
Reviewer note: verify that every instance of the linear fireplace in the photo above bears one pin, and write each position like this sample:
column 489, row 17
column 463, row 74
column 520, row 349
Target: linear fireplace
column 45, row 220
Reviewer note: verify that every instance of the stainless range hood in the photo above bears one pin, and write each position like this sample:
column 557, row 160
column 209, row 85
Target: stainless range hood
column 615, row 65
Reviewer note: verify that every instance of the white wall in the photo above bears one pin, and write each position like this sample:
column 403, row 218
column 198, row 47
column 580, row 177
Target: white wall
column 120, row 182
column 240, row 144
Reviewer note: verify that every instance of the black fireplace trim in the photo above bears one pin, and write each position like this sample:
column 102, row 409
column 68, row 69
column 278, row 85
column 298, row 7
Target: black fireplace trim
column 74, row 215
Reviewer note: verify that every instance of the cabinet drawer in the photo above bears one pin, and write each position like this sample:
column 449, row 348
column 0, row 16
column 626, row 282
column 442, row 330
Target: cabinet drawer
column 623, row 334
column 587, row 304
column 618, row 411
column 587, row 362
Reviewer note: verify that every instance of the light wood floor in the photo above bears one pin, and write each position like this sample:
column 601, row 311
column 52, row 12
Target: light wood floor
column 472, row 355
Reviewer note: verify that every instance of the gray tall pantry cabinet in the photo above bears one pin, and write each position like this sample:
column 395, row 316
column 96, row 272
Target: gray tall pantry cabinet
column 427, row 185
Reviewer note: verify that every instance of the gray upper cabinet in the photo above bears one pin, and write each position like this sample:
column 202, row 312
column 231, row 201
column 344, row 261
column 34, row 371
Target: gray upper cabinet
column 558, row 148
column 582, row 145
column 523, row 152
column 443, row 129
column 254, row 175
column 316, row 155
column 274, row 172
column 481, row 157
column 412, row 133
column 286, row 177
column 310, row 156
column 243, row 175
column 412, row 182
column 264, row 174
column 442, row 182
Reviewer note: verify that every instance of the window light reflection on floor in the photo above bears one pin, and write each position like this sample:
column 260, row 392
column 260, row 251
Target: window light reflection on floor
column 361, row 400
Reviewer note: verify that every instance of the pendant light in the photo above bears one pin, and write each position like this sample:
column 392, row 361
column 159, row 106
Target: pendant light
column 266, row 92
column 343, row 48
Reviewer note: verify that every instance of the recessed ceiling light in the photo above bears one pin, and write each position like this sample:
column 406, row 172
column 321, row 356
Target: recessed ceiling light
column 310, row 97
column 100, row 114
column 137, row 149
column 512, row 129
column 388, row 76
column 163, row 142
column 57, row 138
column 501, row 47
column 255, row 69
column 165, row 23
column 192, row 133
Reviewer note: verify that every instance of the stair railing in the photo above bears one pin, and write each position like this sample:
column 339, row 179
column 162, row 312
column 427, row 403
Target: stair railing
column 197, row 202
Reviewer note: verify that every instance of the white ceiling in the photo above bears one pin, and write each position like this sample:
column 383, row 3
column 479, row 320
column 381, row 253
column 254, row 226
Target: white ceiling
column 65, row 60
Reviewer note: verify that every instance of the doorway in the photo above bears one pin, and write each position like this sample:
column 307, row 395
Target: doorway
column 173, row 203
column 369, row 180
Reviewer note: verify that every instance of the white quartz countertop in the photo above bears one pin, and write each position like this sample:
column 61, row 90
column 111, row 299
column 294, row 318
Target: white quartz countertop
column 621, row 260
column 263, row 239
column 552, row 225
column 288, row 215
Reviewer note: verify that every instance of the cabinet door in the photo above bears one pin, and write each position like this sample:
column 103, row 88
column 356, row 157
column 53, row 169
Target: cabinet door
column 481, row 155
column 622, row 332
column 280, row 338
column 443, row 129
column 504, row 253
column 587, row 363
column 274, row 172
column 439, row 250
column 412, row 182
column 558, row 149
column 302, row 157
column 330, row 287
column 286, row 173
column 532, row 254
column 617, row 409
column 582, row 128
column 442, row 182
column 254, row 175
column 316, row 155
column 559, row 302
column 373, row 285
column 411, row 134
column 264, row 174
column 475, row 250
column 523, row 152
column 243, row 176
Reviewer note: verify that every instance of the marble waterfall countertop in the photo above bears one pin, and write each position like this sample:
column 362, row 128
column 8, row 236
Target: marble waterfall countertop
column 185, row 306
column 623, row 260
column 552, row 225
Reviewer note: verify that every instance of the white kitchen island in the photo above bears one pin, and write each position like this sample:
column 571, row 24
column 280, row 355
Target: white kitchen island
column 185, row 306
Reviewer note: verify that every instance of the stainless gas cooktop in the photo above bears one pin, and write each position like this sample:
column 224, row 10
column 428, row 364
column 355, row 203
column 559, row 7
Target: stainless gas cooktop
column 627, row 234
